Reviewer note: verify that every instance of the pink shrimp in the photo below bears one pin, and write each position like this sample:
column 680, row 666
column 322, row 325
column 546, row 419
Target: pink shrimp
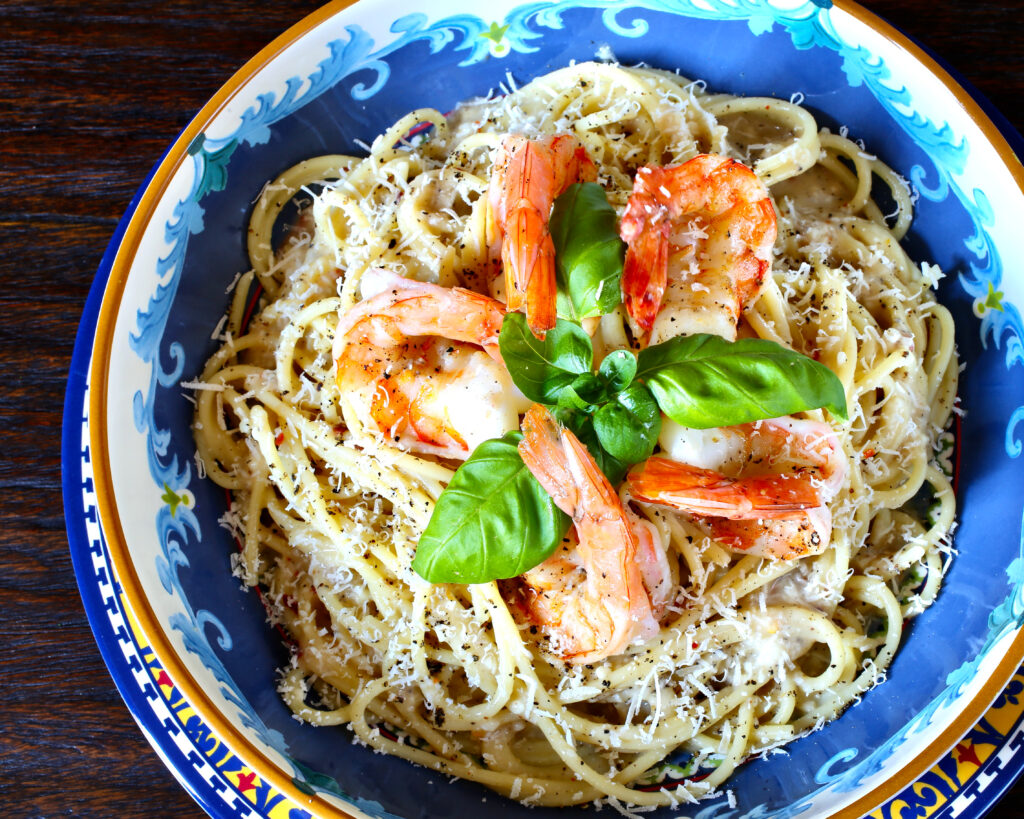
column 591, row 598
column 774, row 503
column 528, row 176
column 700, row 238
column 423, row 363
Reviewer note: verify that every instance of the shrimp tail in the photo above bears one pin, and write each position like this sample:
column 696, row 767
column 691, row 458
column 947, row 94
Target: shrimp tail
column 541, row 451
column 752, row 229
column 528, row 176
column 615, row 605
column 645, row 273
column 528, row 257
column 704, row 491
column 653, row 562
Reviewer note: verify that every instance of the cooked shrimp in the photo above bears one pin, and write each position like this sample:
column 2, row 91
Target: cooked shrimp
column 653, row 562
column 528, row 176
column 760, row 488
column 424, row 365
column 700, row 238
column 778, row 538
column 590, row 598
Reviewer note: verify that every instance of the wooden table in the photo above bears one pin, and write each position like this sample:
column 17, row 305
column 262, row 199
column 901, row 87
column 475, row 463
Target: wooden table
column 91, row 94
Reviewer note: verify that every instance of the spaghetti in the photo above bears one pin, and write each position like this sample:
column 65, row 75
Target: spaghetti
column 751, row 652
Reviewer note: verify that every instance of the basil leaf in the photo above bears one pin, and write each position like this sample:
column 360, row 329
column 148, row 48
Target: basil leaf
column 570, row 399
column 704, row 381
column 590, row 388
column 542, row 368
column 618, row 369
column 582, row 426
column 628, row 426
column 494, row 520
column 588, row 252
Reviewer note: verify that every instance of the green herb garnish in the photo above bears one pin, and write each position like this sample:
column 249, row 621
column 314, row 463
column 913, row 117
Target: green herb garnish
column 495, row 520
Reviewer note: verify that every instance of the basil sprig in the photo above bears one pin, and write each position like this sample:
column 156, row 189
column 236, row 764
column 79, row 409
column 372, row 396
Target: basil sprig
column 493, row 521
column 623, row 414
column 588, row 252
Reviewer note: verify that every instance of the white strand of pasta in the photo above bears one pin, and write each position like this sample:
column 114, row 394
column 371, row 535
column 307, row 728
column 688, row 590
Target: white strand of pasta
column 742, row 734
column 251, row 541
column 790, row 160
column 306, row 497
column 767, row 315
column 277, row 194
column 290, row 335
column 215, row 444
column 487, row 597
column 879, row 374
column 944, row 515
column 369, row 473
column 219, row 359
column 385, row 146
column 423, row 240
column 860, row 179
column 814, row 626
column 458, row 765
column 875, row 592
column 938, row 362
column 239, row 301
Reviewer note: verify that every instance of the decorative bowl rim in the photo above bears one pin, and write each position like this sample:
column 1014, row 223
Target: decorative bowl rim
column 157, row 633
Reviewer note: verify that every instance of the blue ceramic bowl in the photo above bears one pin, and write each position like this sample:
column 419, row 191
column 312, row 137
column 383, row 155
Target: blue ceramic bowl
column 343, row 76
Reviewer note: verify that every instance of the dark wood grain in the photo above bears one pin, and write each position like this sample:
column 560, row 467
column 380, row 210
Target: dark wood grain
column 90, row 96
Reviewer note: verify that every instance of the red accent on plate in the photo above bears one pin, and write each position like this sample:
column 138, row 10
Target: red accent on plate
column 965, row 753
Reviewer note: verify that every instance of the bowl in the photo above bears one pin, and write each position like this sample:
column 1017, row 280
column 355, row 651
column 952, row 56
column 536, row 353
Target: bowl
column 341, row 77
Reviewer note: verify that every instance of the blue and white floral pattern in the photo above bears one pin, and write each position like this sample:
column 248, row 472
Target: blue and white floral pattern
column 524, row 28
